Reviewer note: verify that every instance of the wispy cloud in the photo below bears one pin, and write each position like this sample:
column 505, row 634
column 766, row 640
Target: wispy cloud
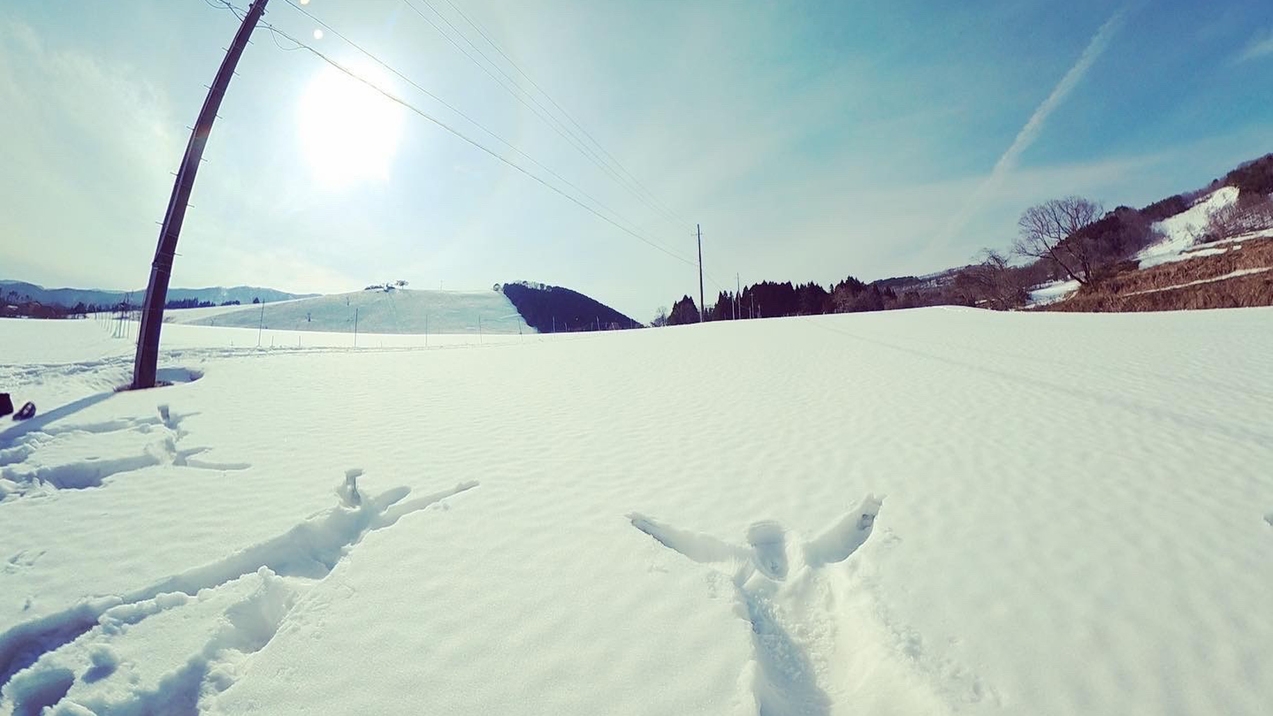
column 1259, row 46
column 1034, row 127
column 88, row 146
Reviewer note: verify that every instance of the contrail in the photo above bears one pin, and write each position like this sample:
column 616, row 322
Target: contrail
column 1030, row 132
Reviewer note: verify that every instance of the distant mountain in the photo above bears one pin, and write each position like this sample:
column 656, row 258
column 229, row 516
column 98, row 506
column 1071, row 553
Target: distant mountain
column 550, row 309
column 22, row 292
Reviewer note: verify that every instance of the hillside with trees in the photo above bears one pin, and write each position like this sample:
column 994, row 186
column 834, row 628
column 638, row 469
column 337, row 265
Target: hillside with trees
column 1067, row 239
column 769, row 299
column 553, row 309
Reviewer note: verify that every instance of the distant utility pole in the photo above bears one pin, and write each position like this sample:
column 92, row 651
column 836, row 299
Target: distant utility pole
column 152, row 318
column 702, row 308
column 737, row 289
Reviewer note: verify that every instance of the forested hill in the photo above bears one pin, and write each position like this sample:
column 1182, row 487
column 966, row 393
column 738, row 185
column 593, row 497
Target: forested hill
column 550, row 309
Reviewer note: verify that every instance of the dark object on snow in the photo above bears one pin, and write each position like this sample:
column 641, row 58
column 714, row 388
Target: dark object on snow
column 27, row 411
column 6, row 405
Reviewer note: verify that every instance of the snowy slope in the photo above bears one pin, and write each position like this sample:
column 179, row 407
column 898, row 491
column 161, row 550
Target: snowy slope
column 1072, row 514
column 1180, row 232
column 1051, row 292
column 401, row 311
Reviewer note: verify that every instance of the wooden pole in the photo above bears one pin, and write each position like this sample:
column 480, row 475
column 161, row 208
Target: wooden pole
column 152, row 319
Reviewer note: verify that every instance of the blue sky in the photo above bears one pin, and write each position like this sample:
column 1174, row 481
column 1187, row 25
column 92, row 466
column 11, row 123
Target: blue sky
column 812, row 140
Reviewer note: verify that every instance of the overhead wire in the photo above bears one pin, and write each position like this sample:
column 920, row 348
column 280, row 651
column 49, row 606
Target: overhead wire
column 510, row 85
column 485, row 36
column 454, row 131
column 369, row 55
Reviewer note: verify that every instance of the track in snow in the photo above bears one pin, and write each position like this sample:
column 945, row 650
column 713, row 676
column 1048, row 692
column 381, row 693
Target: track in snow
column 39, row 659
column 156, row 440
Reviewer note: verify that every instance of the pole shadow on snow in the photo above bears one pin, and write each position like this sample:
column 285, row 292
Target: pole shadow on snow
column 12, row 431
column 38, row 423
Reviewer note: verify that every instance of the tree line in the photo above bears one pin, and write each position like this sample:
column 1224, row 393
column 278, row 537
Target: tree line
column 1072, row 238
column 1075, row 239
column 23, row 305
column 768, row 299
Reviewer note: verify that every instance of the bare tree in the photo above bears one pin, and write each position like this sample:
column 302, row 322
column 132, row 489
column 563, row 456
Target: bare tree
column 1251, row 212
column 993, row 281
column 1051, row 231
column 660, row 317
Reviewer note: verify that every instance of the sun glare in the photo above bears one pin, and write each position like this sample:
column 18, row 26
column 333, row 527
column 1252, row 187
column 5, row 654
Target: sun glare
column 348, row 131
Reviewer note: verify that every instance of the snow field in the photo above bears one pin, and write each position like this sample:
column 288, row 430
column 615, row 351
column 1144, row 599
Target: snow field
column 400, row 311
column 1075, row 520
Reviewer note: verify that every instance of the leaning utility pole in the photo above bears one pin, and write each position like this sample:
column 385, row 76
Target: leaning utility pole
column 702, row 308
column 152, row 317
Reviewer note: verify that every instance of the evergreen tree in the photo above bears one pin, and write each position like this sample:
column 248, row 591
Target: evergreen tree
column 683, row 311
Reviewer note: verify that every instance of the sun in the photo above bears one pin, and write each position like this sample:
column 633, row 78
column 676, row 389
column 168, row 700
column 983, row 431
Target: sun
column 349, row 132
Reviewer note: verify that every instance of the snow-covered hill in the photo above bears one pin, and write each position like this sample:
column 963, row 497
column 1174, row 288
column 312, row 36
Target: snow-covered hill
column 1183, row 231
column 399, row 311
column 915, row 512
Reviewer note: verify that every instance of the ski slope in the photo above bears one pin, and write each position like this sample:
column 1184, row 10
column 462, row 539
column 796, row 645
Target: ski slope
column 935, row 511
column 400, row 311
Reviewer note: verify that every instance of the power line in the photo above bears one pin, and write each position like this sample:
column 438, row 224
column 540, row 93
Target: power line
column 456, row 110
column 481, row 31
column 511, row 86
column 538, row 109
column 478, row 145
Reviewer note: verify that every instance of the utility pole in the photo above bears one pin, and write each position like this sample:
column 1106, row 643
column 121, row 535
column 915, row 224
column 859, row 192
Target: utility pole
column 152, row 317
column 702, row 308
column 737, row 289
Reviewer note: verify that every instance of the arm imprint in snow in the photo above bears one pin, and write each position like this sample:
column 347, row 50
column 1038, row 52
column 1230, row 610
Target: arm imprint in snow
column 844, row 537
column 766, row 548
column 696, row 546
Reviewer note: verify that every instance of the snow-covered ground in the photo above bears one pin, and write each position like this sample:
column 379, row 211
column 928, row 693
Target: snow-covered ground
column 1181, row 232
column 400, row 311
column 918, row 512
